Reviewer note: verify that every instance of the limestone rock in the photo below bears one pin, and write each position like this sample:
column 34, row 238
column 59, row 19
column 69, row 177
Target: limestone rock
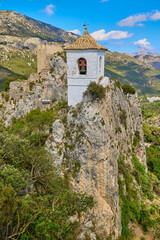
column 55, row 144
column 88, row 144
column 100, row 132
column 25, row 96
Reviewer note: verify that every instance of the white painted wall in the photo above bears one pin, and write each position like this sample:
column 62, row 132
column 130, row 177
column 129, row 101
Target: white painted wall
column 77, row 83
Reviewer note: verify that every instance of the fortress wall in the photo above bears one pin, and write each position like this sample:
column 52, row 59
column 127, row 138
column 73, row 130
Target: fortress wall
column 44, row 54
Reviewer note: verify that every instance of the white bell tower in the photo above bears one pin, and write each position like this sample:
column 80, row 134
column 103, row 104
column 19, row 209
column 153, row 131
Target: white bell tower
column 85, row 61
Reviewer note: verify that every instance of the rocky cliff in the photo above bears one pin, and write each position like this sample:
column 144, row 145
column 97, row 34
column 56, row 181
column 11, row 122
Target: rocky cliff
column 86, row 141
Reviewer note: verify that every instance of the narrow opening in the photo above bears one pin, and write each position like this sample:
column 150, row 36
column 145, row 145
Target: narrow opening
column 100, row 65
column 82, row 65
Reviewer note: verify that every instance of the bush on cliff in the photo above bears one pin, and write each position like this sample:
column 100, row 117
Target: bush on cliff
column 128, row 89
column 96, row 90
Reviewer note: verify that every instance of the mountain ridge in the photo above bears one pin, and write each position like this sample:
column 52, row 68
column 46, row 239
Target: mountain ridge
column 130, row 70
column 16, row 24
column 143, row 51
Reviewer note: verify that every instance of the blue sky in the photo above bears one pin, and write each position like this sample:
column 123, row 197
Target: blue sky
column 123, row 26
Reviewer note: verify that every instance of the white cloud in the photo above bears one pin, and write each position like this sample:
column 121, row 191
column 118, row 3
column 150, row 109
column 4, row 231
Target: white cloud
column 137, row 19
column 101, row 35
column 140, row 24
column 118, row 43
column 50, row 9
column 132, row 20
column 76, row 31
column 155, row 16
column 143, row 43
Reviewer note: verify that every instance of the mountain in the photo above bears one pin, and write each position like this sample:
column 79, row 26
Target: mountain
column 130, row 70
column 16, row 63
column 18, row 25
column 19, row 36
column 150, row 60
column 143, row 51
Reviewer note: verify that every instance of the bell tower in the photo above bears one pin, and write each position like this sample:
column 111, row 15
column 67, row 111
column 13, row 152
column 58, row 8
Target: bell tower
column 85, row 62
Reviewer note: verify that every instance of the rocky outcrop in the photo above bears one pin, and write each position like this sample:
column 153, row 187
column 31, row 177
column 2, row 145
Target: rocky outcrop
column 25, row 96
column 96, row 134
column 86, row 141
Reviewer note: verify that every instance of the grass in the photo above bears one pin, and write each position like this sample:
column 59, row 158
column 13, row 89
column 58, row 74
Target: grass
column 17, row 63
column 129, row 71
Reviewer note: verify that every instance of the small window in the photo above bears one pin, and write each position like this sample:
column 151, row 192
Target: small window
column 100, row 65
column 82, row 65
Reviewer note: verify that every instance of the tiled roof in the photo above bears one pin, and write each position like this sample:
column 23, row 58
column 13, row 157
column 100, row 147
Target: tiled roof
column 85, row 42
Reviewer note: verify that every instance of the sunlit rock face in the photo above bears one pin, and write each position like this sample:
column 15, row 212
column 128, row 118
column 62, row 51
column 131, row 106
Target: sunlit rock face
column 96, row 134
column 93, row 137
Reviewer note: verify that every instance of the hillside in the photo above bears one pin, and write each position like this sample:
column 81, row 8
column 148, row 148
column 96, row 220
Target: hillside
column 19, row 36
column 16, row 24
column 142, row 52
column 129, row 70
column 16, row 63
column 150, row 60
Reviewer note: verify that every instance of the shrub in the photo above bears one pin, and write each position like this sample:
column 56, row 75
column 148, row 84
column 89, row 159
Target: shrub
column 136, row 139
column 128, row 89
column 97, row 91
column 123, row 118
column 8, row 81
column 31, row 84
column 6, row 97
column 117, row 83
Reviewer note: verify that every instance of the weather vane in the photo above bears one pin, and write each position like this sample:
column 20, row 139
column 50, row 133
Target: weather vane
column 85, row 24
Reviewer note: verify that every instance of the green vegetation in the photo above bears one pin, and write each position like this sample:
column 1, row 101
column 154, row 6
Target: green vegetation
column 97, row 91
column 131, row 209
column 128, row 89
column 35, row 202
column 153, row 159
column 151, row 134
column 150, row 109
column 123, row 118
column 136, row 139
column 63, row 55
column 17, row 64
column 129, row 70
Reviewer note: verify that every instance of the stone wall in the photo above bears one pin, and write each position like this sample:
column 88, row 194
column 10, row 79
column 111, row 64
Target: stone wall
column 44, row 54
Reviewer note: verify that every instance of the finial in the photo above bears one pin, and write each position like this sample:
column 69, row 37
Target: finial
column 85, row 28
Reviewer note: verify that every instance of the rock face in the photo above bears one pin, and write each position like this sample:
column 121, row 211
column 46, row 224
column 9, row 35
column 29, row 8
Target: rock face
column 87, row 143
column 96, row 134
column 25, row 96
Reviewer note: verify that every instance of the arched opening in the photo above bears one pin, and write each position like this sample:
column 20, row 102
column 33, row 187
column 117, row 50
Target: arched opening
column 100, row 66
column 82, row 65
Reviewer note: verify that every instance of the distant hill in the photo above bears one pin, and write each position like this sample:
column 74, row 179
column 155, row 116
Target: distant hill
column 129, row 70
column 16, row 63
column 18, row 25
column 150, row 60
column 19, row 35
column 143, row 51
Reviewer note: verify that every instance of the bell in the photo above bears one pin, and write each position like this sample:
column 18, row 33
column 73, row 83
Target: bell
column 83, row 69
